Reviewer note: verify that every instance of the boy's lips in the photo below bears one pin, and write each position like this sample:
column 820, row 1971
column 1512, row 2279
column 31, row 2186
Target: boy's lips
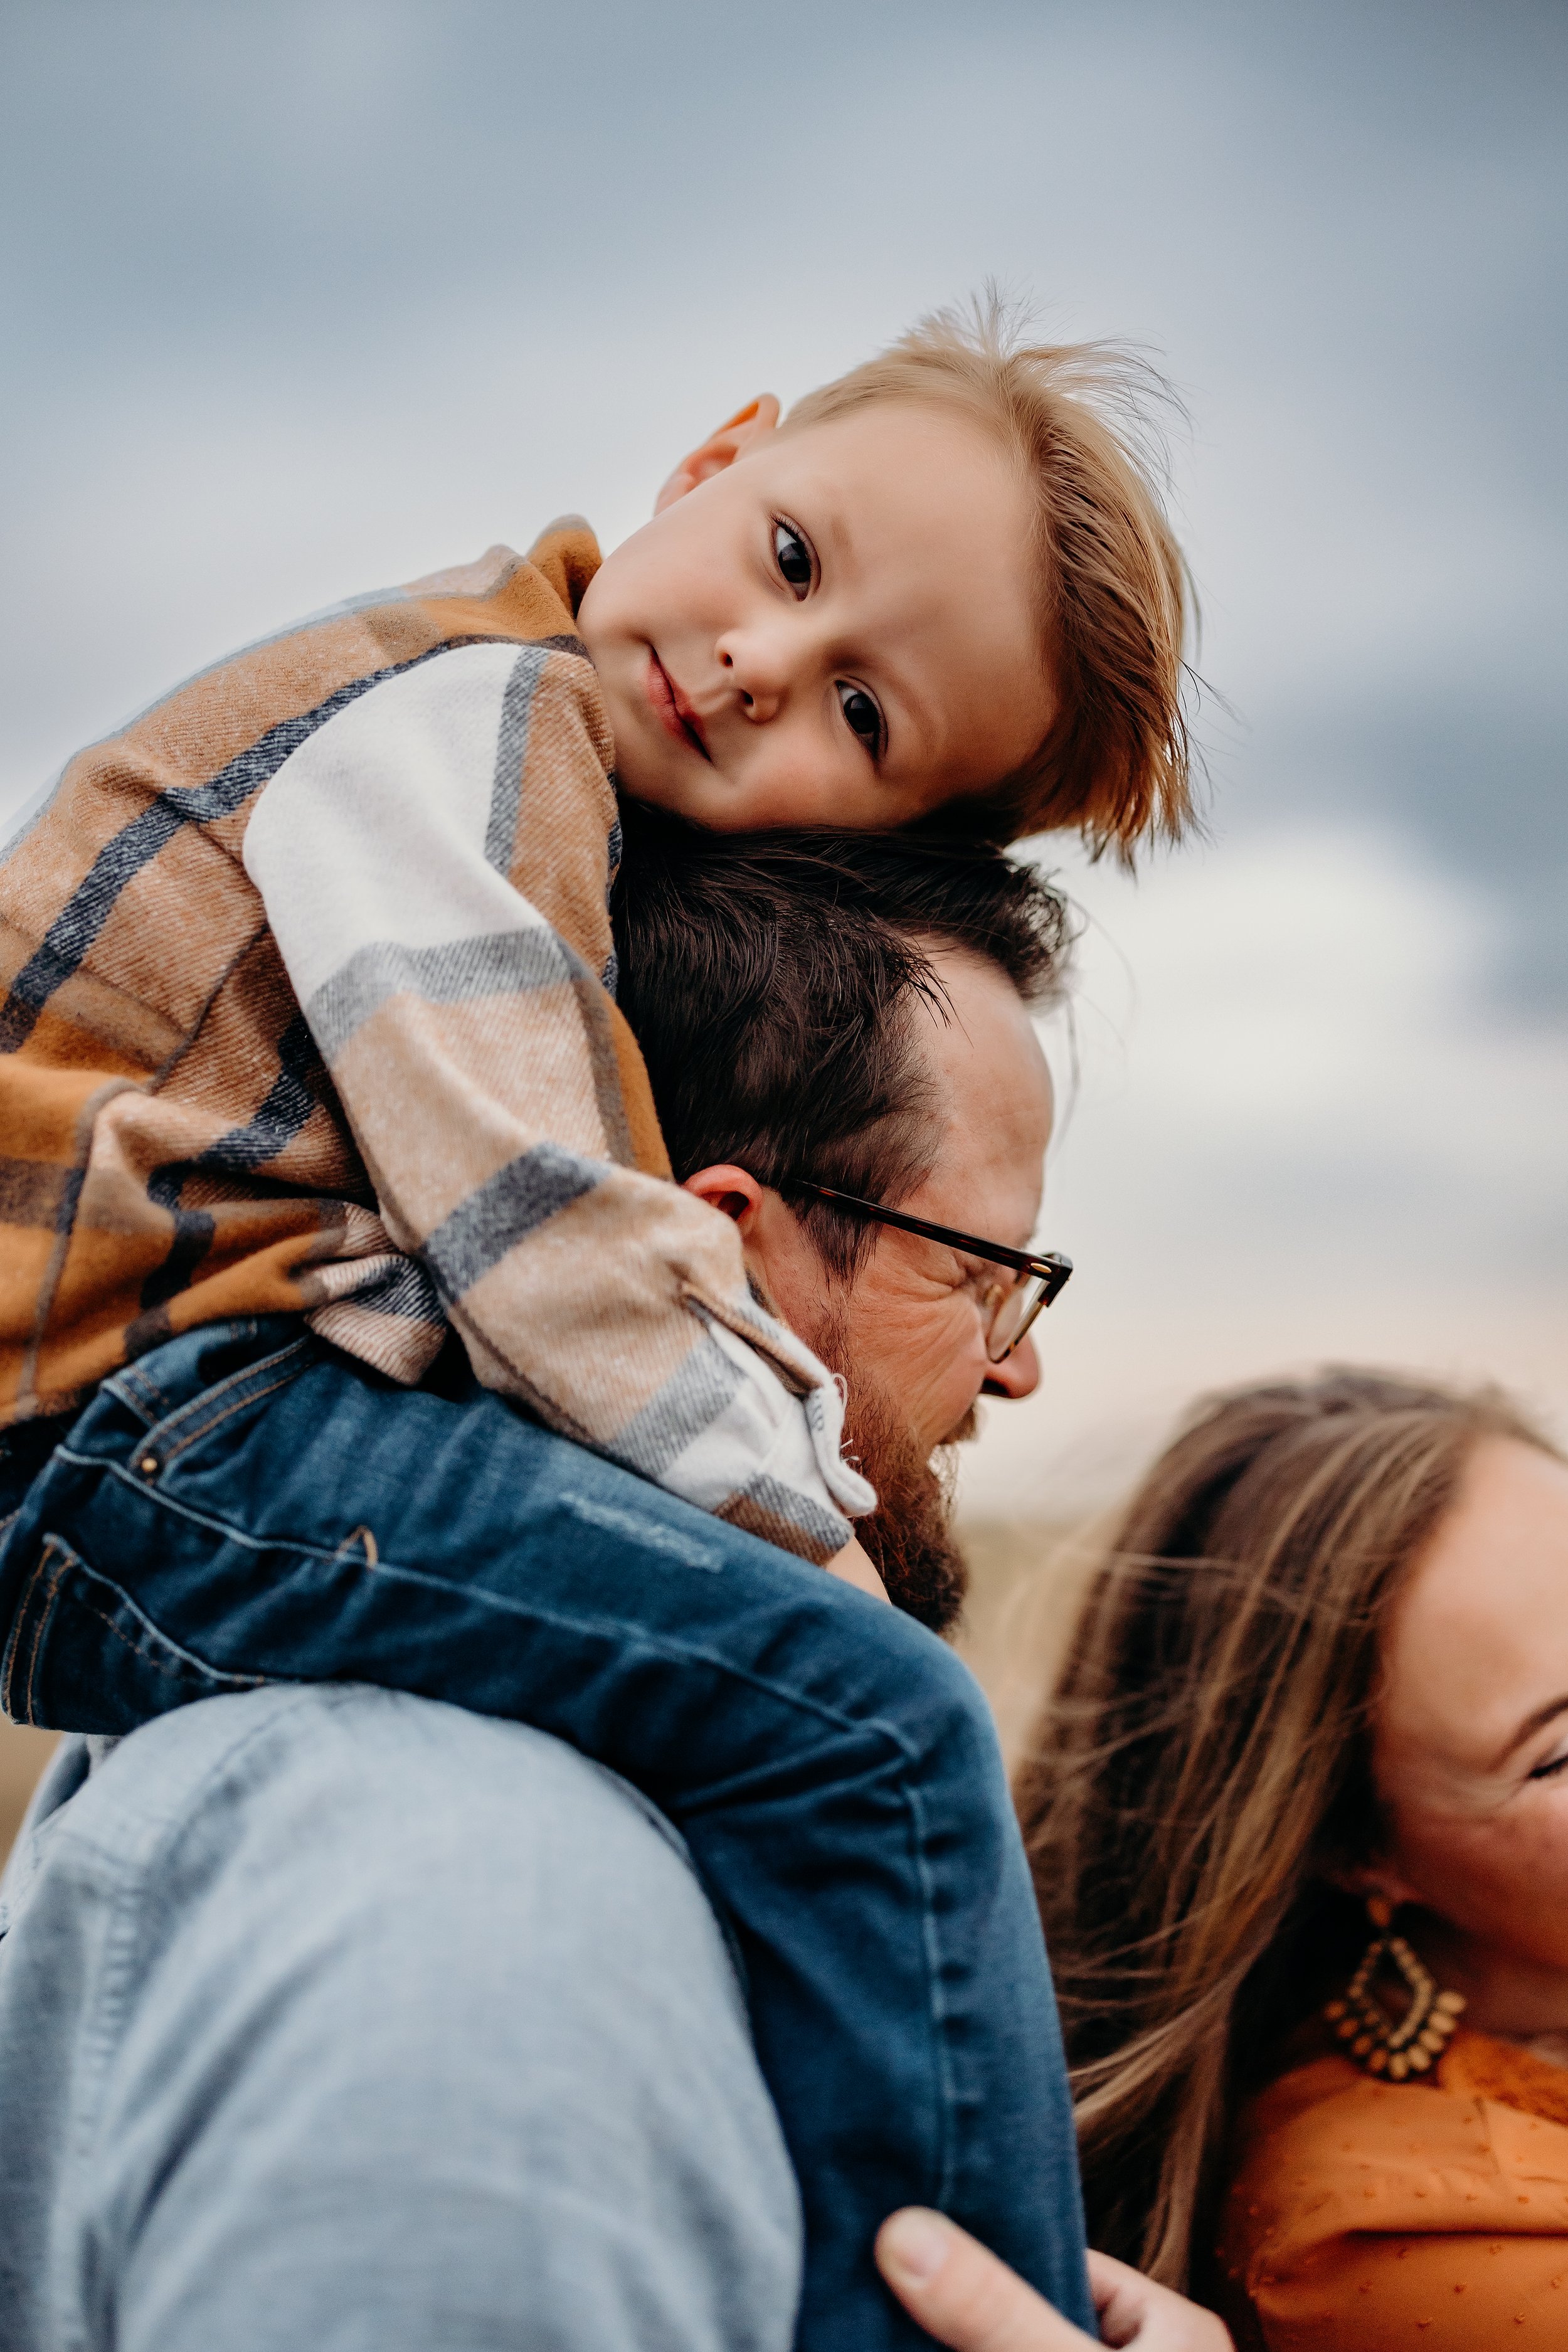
column 671, row 709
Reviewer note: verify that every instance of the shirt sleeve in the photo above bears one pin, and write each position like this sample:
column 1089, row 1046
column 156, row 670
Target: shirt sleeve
column 433, row 863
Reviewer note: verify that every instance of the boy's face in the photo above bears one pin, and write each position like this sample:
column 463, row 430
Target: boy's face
column 830, row 626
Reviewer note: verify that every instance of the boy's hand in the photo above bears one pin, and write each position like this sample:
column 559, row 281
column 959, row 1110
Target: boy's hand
column 855, row 1567
column 965, row 2298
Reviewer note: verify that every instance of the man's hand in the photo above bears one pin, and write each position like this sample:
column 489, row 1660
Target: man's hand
column 967, row 2299
column 855, row 1567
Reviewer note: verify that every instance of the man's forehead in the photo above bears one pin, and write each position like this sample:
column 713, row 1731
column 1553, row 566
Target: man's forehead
column 991, row 1092
column 981, row 1017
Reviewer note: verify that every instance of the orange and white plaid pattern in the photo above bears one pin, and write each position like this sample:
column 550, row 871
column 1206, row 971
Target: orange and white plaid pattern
column 309, row 1007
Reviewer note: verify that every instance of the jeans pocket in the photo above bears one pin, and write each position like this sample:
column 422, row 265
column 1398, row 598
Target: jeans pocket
column 220, row 1409
column 81, row 1657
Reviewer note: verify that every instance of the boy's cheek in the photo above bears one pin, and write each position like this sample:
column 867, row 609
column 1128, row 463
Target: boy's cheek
column 642, row 767
column 641, row 780
column 640, row 588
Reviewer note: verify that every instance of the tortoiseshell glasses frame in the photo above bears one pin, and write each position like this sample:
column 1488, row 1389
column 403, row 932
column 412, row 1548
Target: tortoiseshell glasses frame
column 1009, row 1310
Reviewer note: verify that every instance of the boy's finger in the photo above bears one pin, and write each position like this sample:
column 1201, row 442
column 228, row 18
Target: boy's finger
column 963, row 2295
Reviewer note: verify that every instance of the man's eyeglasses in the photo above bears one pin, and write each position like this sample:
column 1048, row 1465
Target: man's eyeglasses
column 1007, row 1308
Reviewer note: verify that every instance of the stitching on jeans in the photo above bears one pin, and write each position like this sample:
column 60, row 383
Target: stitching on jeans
column 189, row 1437
column 41, row 1625
column 936, row 1994
column 142, row 1395
column 153, row 1645
column 53, row 1556
column 13, row 1642
column 8, row 1665
column 225, row 1388
column 136, row 1385
column 681, row 1652
column 177, row 1420
column 165, row 1501
column 34, row 1622
column 197, row 1668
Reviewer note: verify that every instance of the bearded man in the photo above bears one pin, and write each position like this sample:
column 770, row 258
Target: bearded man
column 840, row 1013
column 332, row 2014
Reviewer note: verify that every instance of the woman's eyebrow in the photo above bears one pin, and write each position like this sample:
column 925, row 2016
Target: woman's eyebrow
column 1534, row 1723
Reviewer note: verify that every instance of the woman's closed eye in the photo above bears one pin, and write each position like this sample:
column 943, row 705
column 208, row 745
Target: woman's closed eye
column 1550, row 1769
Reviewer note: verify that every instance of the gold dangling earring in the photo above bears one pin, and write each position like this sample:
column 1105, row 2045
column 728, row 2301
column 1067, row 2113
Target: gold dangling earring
column 1359, row 2020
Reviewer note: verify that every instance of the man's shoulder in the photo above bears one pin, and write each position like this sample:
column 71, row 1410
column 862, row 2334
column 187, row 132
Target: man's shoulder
column 312, row 1770
column 402, row 1851
column 425, row 1997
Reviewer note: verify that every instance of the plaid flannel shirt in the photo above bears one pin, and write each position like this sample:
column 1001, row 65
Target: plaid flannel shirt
column 308, row 1006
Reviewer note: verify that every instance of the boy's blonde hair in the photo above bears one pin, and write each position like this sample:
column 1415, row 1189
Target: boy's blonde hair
column 1116, row 599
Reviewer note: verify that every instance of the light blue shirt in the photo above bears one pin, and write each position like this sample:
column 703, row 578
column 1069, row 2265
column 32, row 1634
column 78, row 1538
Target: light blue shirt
column 337, row 2019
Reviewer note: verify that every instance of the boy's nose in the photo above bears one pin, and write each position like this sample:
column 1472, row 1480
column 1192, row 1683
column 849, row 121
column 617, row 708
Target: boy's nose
column 758, row 671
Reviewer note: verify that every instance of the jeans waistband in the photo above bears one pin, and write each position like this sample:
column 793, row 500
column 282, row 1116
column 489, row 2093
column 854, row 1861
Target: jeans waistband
column 147, row 1391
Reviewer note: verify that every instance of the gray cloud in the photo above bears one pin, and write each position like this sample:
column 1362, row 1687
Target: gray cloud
column 301, row 297
column 245, row 241
column 1477, row 780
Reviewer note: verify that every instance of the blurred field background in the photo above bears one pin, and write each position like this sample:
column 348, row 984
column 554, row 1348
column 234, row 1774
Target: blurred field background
column 302, row 297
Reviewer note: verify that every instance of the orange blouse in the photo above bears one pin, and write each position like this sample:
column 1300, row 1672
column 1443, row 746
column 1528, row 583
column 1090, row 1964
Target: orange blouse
column 1364, row 2214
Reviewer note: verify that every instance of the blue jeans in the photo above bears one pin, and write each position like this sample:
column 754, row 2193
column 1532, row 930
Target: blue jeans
column 246, row 1505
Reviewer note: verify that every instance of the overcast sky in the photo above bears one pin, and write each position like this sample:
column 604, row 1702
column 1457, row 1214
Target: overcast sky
column 299, row 300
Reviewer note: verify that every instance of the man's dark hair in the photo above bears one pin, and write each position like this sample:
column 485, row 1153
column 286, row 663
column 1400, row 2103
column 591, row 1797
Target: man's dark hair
column 768, row 978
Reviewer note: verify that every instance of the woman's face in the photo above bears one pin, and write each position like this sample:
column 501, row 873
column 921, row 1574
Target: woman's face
column 1471, row 1746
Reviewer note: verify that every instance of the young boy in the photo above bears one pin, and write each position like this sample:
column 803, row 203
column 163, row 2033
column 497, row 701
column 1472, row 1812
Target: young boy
column 309, row 1038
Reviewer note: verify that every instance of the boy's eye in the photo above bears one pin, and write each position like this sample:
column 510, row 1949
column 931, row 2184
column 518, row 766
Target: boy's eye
column 861, row 716
column 792, row 556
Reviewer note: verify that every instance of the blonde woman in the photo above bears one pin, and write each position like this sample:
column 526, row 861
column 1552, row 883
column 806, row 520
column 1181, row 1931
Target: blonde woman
column 1298, row 1814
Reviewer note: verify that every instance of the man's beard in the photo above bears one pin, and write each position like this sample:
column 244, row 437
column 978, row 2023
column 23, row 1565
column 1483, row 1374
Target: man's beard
column 909, row 1537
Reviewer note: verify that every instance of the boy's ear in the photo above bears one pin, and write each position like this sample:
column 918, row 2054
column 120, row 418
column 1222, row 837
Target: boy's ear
column 739, row 432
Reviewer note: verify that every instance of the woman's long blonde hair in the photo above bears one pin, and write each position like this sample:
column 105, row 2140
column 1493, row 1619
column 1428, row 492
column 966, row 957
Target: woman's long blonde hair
column 1204, row 1761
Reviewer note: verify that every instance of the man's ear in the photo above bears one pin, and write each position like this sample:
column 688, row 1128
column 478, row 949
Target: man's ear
column 740, row 432
column 731, row 1190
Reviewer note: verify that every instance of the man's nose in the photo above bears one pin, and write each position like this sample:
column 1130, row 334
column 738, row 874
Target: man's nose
column 1019, row 1375
column 760, row 669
